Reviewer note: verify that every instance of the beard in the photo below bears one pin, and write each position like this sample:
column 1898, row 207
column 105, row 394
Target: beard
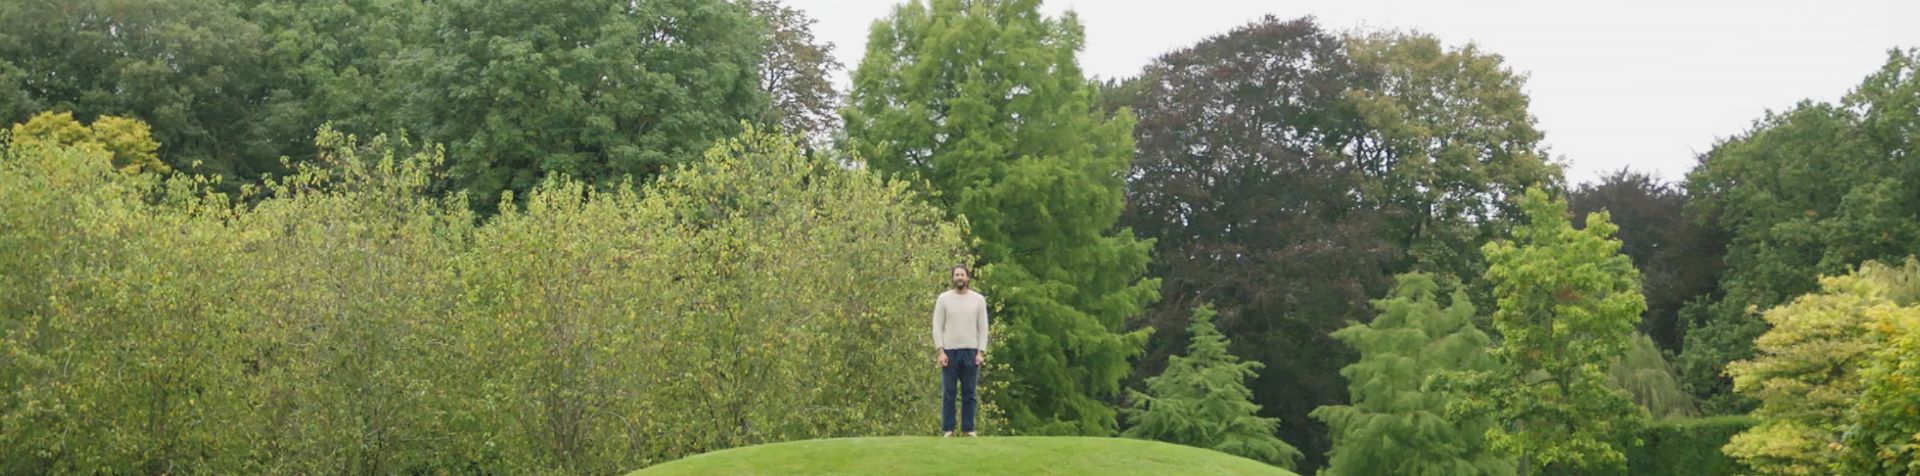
column 959, row 284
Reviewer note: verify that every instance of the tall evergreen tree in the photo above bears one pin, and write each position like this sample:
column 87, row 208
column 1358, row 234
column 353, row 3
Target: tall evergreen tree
column 1397, row 424
column 981, row 102
column 1202, row 401
column 1568, row 303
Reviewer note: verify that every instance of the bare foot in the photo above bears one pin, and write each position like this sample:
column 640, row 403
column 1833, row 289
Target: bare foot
column 946, row 435
column 970, row 434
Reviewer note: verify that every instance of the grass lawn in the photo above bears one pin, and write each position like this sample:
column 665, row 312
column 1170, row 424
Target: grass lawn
column 969, row 456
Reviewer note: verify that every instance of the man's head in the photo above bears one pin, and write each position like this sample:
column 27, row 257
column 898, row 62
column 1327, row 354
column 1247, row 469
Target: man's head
column 961, row 276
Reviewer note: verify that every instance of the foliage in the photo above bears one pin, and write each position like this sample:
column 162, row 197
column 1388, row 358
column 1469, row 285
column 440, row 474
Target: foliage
column 1398, row 424
column 1201, row 401
column 1642, row 371
column 1286, row 173
column 1807, row 192
column 1805, row 377
column 1448, row 149
column 194, row 70
column 126, row 142
column 1567, row 305
column 1242, row 208
column 348, row 322
column 1884, row 436
column 1678, row 259
column 796, row 72
column 591, row 89
column 1829, row 380
column 1687, row 447
column 115, row 352
column 1012, row 143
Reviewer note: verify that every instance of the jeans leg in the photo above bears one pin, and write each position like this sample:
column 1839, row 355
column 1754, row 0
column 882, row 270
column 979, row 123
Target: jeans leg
column 969, row 377
column 947, row 387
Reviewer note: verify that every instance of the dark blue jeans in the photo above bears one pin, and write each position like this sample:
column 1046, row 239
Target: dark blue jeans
column 960, row 369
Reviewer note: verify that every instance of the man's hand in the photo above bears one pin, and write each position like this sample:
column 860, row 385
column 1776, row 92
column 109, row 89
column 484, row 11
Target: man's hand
column 979, row 358
column 941, row 357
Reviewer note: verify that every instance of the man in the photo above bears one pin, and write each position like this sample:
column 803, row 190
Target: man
column 960, row 345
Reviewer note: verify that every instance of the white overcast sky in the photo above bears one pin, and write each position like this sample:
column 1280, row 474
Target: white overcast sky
column 1636, row 83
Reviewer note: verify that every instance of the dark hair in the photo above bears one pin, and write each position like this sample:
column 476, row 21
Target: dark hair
column 962, row 267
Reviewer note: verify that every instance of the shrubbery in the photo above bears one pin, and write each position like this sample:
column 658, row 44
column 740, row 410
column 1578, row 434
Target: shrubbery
column 344, row 320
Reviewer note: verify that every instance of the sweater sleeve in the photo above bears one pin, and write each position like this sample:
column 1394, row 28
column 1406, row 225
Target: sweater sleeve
column 939, row 322
column 982, row 324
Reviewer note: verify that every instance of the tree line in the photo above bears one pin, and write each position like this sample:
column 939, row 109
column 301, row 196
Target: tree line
column 1370, row 220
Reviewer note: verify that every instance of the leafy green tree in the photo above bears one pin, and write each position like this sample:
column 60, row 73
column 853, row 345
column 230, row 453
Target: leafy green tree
column 1678, row 258
column 191, row 69
column 126, row 142
column 593, row 89
column 1398, row 423
column 1449, row 146
column 1202, row 401
column 1242, row 208
column 1807, row 192
column 1568, row 303
column 1807, row 376
column 327, row 59
column 982, row 105
column 1643, row 372
column 796, row 72
column 1884, row 435
column 116, row 355
column 1292, row 211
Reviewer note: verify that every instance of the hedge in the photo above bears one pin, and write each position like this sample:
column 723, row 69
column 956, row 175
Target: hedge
column 1689, row 447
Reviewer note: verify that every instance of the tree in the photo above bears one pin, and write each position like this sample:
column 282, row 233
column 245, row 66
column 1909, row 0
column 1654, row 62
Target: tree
column 1806, row 192
column 125, row 142
column 1884, row 436
column 1568, row 303
column 1678, row 259
column 116, row 354
column 1201, row 401
column 191, row 69
column 1285, row 173
column 1251, row 210
column 1398, row 423
column 593, row 89
column 1807, row 376
column 1449, row 146
column 795, row 72
column 982, row 104
column 1644, row 373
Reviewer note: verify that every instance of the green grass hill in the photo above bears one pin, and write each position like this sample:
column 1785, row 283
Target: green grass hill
column 966, row 456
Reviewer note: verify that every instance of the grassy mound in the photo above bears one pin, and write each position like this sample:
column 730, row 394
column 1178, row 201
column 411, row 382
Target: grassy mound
column 968, row 456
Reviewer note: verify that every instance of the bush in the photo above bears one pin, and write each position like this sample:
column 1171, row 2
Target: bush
column 346, row 320
column 1687, row 447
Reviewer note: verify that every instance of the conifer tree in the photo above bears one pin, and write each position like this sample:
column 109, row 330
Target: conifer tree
column 1397, row 424
column 1202, row 400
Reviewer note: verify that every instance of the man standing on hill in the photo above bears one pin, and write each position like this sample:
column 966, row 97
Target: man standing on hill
column 960, row 344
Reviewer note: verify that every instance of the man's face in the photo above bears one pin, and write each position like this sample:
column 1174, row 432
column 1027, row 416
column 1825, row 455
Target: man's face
column 960, row 278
